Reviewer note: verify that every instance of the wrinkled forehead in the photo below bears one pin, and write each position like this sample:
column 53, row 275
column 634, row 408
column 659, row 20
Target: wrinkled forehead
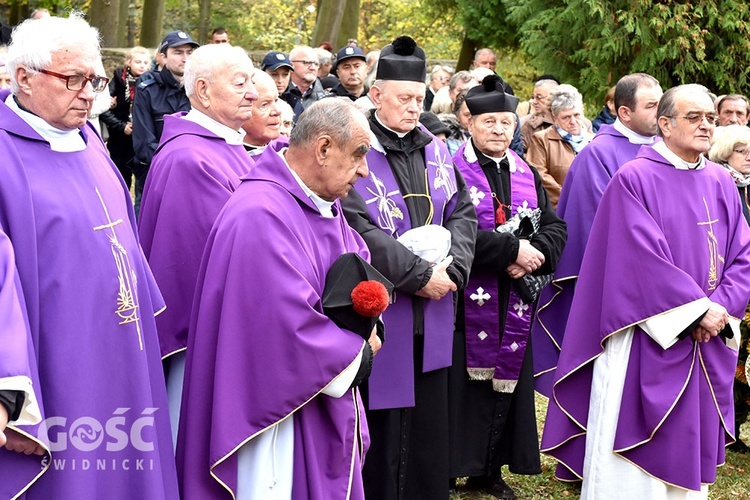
column 693, row 101
column 76, row 56
column 306, row 54
column 496, row 116
column 734, row 105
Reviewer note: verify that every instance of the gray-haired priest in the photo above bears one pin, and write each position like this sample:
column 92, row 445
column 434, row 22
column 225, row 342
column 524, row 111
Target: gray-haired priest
column 519, row 242
column 415, row 214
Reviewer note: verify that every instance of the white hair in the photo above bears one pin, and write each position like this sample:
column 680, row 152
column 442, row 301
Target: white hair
column 35, row 40
column 564, row 97
column 207, row 59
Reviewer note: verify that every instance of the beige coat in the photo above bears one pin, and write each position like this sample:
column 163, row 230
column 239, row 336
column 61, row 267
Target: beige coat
column 551, row 156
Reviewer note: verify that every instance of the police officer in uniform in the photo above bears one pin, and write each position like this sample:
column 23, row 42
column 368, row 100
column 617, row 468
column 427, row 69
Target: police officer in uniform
column 158, row 93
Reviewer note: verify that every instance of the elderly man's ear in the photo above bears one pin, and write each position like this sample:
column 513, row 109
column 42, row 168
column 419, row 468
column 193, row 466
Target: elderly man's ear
column 322, row 149
column 202, row 92
column 23, row 77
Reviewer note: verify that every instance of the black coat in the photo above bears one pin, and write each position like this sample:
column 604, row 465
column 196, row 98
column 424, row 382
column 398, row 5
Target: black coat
column 119, row 144
column 157, row 94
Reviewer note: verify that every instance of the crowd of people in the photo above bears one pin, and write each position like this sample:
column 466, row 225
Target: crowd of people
column 342, row 275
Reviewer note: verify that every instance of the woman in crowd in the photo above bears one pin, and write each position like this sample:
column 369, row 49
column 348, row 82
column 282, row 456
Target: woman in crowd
column 118, row 119
column 731, row 149
column 459, row 135
column 551, row 151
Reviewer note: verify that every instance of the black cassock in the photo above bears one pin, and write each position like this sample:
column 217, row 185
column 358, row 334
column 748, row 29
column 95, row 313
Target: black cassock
column 408, row 457
column 490, row 429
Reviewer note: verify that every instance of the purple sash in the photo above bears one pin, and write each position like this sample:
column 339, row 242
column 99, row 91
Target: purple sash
column 487, row 357
column 391, row 384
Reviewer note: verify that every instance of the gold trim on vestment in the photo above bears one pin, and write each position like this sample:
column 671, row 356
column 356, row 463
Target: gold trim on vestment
column 176, row 351
column 41, row 472
column 674, row 403
column 244, row 442
column 657, row 478
column 547, row 304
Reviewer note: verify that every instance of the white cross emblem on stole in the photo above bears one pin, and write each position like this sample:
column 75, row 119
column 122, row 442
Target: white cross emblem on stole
column 520, row 308
column 476, row 195
column 480, row 297
column 482, row 335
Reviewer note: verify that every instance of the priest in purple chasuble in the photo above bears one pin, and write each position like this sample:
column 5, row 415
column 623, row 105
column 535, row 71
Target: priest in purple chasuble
column 492, row 415
column 636, row 98
column 414, row 212
column 80, row 371
column 271, row 407
column 195, row 169
column 642, row 401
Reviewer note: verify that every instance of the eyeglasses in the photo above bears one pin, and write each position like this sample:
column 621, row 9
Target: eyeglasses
column 742, row 151
column 307, row 63
column 696, row 118
column 78, row 82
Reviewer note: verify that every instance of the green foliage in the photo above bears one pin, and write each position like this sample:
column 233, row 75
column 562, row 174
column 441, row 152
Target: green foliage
column 592, row 43
column 434, row 29
column 487, row 23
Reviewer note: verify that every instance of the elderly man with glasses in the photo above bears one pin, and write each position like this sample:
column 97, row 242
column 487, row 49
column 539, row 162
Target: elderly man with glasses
column 82, row 397
column 305, row 82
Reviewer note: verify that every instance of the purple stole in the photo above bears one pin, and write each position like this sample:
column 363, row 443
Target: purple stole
column 487, row 357
column 391, row 383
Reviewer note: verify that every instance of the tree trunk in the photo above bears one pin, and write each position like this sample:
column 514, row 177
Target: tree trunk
column 349, row 24
column 122, row 24
column 151, row 25
column 204, row 17
column 329, row 21
column 19, row 12
column 466, row 57
column 104, row 15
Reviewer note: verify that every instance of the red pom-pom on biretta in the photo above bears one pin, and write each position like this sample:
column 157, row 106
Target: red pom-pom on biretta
column 370, row 298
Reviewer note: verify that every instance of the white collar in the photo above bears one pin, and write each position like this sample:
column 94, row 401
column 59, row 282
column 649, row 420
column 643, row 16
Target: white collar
column 632, row 137
column 230, row 135
column 324, row 207
column 62, row 141
column 400, row 135
column 256, row 150
column 680, row 164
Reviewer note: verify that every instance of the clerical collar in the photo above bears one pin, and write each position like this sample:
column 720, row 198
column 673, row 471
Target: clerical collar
column 62, row 141
column 400, row 135
column 632, row 137
column 324, row 207
column 231, row 136
column 253, row 150
column 679, row 163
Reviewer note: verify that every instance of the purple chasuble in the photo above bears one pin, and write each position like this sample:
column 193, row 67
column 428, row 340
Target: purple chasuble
column 260, row 348
column 490, row 355
column 391, row 384
column 661, row 238
column 589, row 174
column 88, row 301
column 191, row 177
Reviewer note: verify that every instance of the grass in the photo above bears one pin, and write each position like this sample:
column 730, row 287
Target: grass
column 732, row 481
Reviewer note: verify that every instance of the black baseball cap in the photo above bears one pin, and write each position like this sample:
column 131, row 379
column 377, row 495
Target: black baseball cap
column 275, row 60
column 175, row 39
column 348, row 52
